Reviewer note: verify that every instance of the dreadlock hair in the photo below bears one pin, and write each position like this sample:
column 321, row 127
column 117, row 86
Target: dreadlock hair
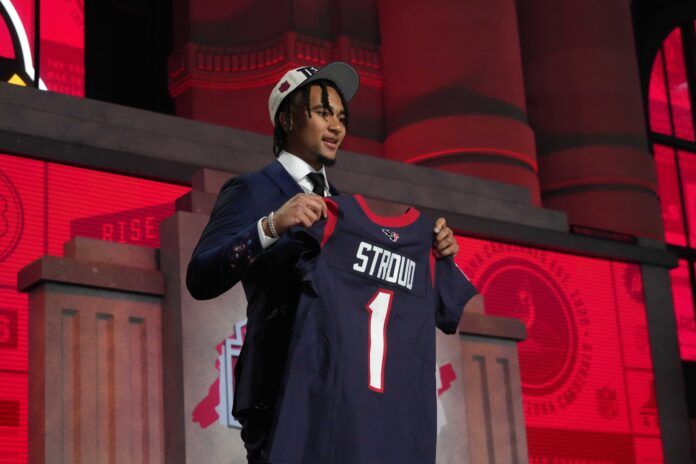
column 289, row 105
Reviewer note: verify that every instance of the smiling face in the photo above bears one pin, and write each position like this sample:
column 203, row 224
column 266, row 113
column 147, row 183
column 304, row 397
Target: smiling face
column 316, row 139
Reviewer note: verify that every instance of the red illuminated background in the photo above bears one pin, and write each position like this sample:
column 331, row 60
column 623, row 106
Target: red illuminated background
column 670, row 112
column 42, row 206
column 587, row 380
column 26, row 213
column 587, row 375
column 62, row 42
column 586, row 368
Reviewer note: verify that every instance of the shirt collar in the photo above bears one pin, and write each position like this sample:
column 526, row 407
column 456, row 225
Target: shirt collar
column 299, row 168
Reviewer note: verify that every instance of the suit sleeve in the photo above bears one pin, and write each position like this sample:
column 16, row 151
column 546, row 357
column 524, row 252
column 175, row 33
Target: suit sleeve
column 228, row 245
column 454, row 290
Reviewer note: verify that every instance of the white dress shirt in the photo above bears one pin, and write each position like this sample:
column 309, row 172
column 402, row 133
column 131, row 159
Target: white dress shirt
column 298, row 170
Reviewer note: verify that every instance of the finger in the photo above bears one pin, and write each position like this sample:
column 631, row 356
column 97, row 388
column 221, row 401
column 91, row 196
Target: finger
column 302, row 198
column 308, row 198
column 297, row 218
column 444, row 233
column 311, row 214
column 439, row 224
column 323, row 210
column 445, row 250
column 306, row 212
column 449, row 251
column 297, row 198
column 443, row 244
column 316, row 205
column 306, row 221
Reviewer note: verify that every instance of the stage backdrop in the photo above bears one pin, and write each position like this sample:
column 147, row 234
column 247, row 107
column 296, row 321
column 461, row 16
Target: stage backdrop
column 586, row 371
column 42, row 206
column 61, row 48
column 670, row 113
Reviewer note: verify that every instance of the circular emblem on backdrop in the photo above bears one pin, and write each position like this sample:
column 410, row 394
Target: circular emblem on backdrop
column 547, row 357
column 11, row 217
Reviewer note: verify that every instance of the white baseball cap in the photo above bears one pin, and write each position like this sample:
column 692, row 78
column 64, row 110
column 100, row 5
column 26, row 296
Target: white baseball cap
column 342, row 74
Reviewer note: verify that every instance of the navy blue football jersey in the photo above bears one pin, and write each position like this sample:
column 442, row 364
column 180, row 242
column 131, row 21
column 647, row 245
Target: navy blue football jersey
column 359, row 386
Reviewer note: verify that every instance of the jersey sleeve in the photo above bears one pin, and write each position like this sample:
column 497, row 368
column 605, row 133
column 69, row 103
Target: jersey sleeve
column 309, row 239
column 454, row 290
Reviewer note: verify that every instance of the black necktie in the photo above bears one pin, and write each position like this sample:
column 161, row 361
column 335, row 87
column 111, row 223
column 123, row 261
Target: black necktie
column 317, row 180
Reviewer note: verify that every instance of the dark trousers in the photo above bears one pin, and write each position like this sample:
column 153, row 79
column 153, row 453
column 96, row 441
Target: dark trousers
column 256, row 428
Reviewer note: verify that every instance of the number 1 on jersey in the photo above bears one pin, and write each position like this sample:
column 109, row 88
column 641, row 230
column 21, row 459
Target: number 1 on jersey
column 378, row 307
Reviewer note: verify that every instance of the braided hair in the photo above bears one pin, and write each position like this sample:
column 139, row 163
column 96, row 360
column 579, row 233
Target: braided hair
column 289, row 105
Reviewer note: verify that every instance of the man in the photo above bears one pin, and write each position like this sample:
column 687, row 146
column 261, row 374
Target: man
column 246, row 238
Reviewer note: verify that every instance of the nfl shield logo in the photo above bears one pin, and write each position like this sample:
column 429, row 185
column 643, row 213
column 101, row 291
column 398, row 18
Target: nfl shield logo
column 607, row 403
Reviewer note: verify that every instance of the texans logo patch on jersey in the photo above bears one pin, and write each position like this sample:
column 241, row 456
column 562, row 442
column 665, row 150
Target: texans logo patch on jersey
column 393, row 236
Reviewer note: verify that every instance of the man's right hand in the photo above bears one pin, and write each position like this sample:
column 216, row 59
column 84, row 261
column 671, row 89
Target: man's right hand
column 303, row 209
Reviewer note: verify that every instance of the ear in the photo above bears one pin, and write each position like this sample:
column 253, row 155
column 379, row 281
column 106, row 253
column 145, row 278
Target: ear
column 285, row 120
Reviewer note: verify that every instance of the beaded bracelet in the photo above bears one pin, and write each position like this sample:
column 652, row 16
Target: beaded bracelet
column 271, row 226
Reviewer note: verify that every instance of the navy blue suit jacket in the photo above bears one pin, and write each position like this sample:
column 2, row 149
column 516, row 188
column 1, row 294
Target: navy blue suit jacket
column 230, row 251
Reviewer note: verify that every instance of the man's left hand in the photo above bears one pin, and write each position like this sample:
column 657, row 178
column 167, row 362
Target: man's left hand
column 445, row 243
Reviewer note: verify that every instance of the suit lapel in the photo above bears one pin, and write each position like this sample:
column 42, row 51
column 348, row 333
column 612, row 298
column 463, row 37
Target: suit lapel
column 277, row 173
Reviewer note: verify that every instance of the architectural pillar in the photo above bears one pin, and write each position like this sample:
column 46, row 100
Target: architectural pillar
column 584, row 104
column 95, row 377
column 482, row 421
column 453, row 93
column 670, row 393
column 201, row 340
column 228, row 56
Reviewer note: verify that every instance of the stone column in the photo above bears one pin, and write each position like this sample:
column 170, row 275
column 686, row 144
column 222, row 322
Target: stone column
column 453, row 89
column 201, row 340
column 480, row 416
column 228, row 56
column 673, row 414
column 585, row 106
column 95, row 377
